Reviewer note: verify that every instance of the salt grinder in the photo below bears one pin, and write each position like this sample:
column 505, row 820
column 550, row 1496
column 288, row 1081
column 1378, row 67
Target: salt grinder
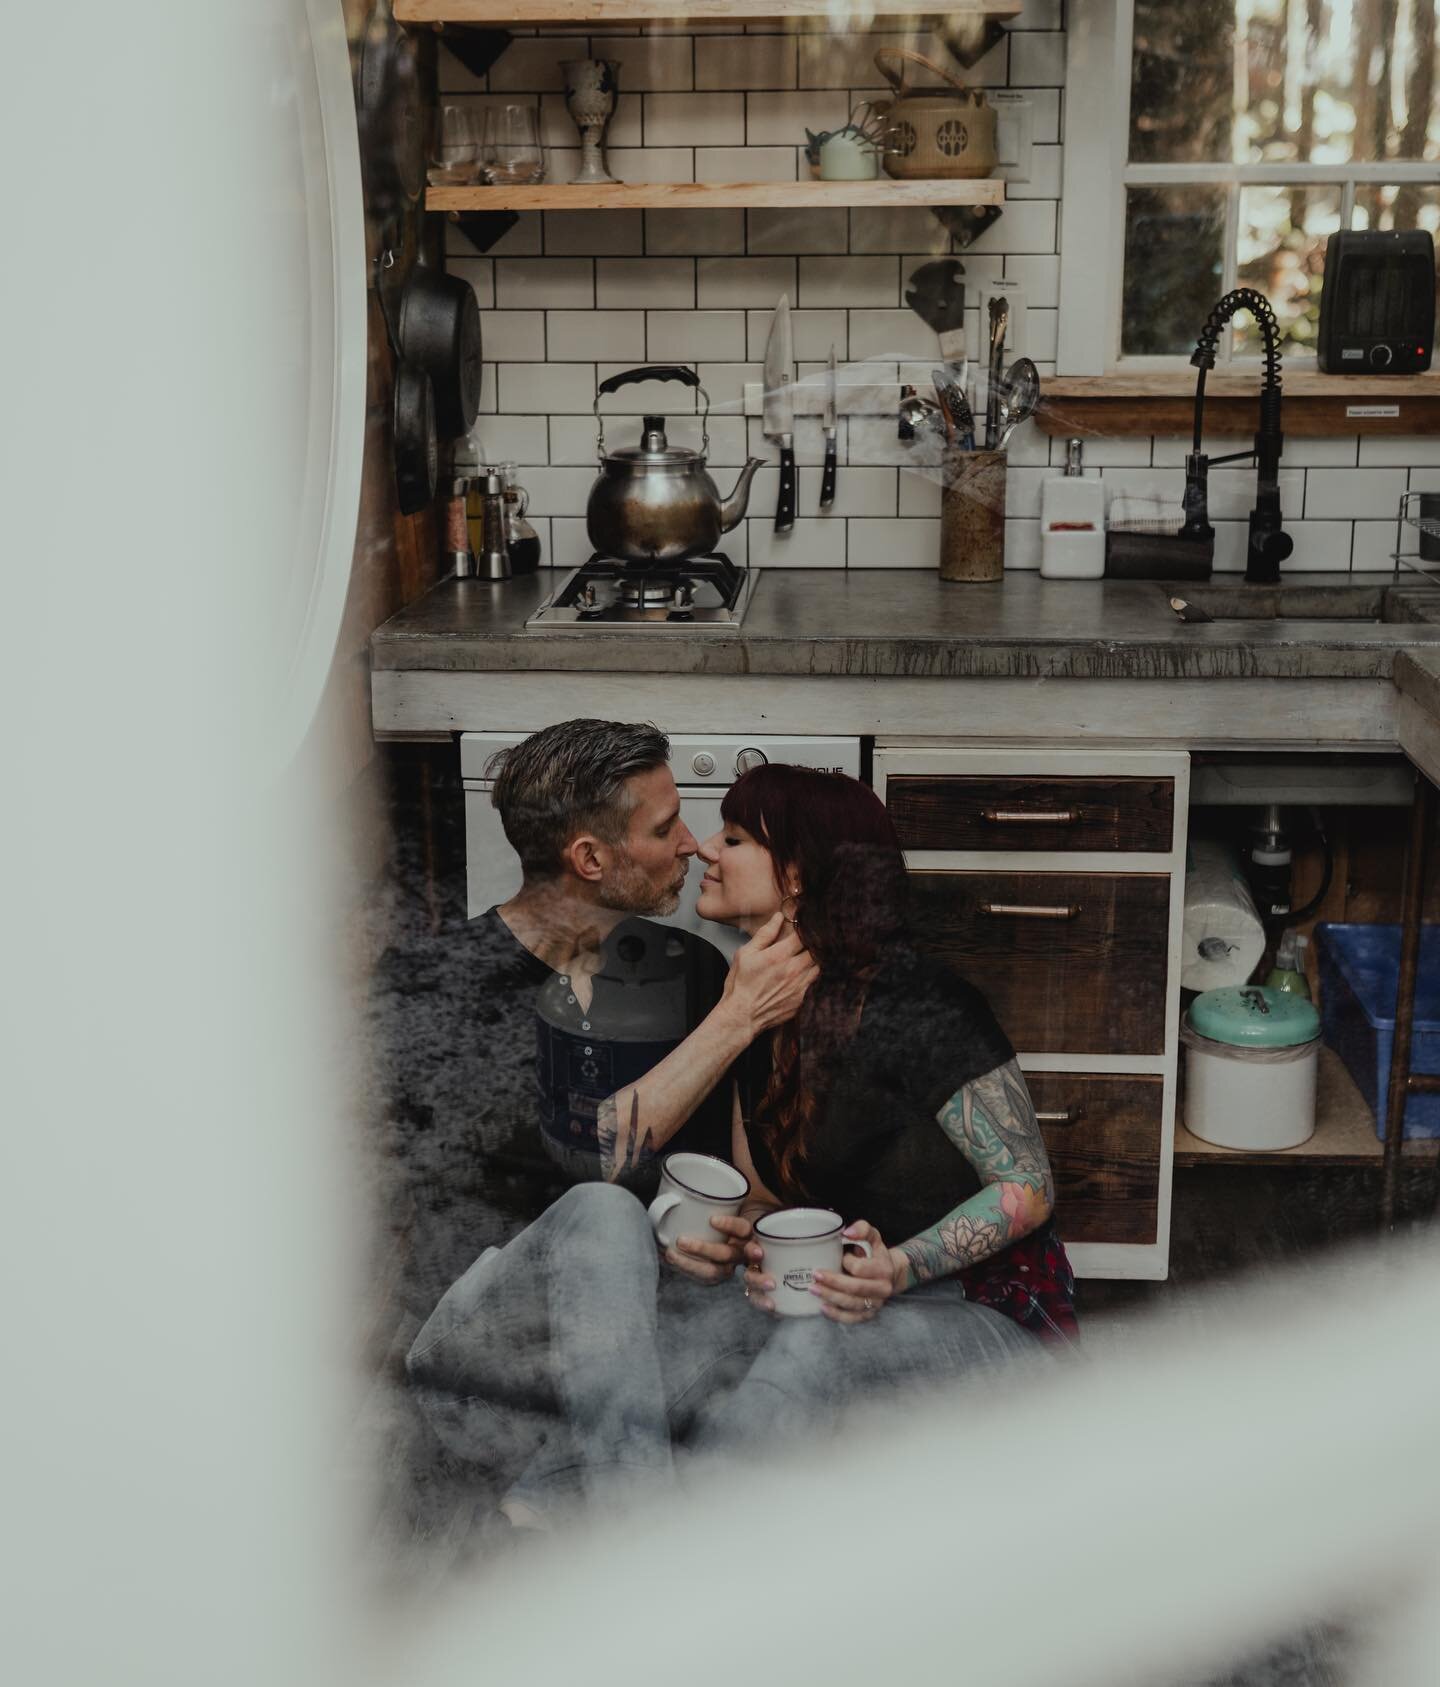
column 493, row 560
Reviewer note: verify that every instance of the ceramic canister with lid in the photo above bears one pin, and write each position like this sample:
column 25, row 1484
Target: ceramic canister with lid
column 1250, row 1062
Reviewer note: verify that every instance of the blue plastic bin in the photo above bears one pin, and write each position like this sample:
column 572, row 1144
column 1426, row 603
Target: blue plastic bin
column 1359, row 975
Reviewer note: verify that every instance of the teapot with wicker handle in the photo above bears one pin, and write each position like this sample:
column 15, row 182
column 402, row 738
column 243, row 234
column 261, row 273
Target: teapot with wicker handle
column 934, row 131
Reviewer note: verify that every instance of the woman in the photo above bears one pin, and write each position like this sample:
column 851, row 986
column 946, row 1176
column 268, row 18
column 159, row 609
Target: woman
column 894, row 1098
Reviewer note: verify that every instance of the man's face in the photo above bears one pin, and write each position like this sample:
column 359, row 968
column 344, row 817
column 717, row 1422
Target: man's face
column 646, row 873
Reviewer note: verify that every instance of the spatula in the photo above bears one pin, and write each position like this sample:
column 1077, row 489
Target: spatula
column 937, row 296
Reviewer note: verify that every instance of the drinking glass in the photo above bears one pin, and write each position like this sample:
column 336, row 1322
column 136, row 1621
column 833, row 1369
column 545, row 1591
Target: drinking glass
column 511, row 150
column 454, row 153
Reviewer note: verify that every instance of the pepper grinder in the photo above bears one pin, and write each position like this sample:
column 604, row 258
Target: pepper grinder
column 464, row 466
column 493, row 560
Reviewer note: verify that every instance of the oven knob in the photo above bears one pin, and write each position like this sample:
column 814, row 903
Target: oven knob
column 746, row 759
column 702, row 765
column 1381, row 356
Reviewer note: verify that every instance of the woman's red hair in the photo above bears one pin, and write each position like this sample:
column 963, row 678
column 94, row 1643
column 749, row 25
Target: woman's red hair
column 834, row 836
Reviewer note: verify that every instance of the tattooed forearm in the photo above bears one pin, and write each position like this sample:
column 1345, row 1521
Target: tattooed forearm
column 621, row 1151
column 992, row 1122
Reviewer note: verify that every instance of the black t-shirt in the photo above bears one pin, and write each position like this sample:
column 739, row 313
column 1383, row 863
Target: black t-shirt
column 487, row 1073
column 878, row 1152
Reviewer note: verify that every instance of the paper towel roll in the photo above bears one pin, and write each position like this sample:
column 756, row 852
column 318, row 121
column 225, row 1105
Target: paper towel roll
column 1223, row 938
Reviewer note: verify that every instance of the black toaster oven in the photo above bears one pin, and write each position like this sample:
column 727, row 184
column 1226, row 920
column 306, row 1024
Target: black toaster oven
column 1377, row 305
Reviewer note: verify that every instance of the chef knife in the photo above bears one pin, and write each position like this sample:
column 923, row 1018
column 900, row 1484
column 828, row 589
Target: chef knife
column 827, row 483
column 780, row 409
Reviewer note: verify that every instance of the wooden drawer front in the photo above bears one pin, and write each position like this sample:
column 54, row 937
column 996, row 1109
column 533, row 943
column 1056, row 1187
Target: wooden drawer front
column 984, row 811
column 1072, row 963
column 1103, row 1138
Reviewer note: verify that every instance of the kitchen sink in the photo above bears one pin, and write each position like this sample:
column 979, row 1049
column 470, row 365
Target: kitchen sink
column 1356, row 605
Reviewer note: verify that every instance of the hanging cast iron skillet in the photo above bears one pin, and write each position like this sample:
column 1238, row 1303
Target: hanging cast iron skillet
column 440, row 333
column 416, row 445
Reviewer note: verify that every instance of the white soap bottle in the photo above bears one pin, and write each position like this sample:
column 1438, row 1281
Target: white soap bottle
column 1072, row 521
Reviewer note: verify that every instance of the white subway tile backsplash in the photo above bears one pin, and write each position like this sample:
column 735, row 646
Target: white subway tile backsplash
column 694, row 119
column 521, row 239
column 1039, row 275
column 919, row 492
column 693, row 233
column 727, row 283
column 813, row 331
column 1043, row 182
column 1321, row 547
column 1042, row 335
column 1045, row 109
column 559, row 492
column 1022, row 546
column 569, row 542
column 651, row 163
column 1039, row 14
column 725, row 382
column 1025, row 225
column 746, row 164
column 1319, row 453
column 528, row 67
column 516, row 335
column 745, row 61
column 581, row 234
column 649, row 63
column 894, row 544
column 1425, row 480
column 583, row 336
column 1037, row 59
column 1377, row 450
column 903, row 228
column 1373, row 547
column 848, row 61
column 688, row 336
column 1022, row 490
column 1121, row 453
column 1029, row 448
column 850, row 282
column 544, row 283
column 539, row 389
column 517, row 439
column 1171, row 450
column 728, row 445
column 572, row 439
column 781, row 119
column 809, row 544
column 787, row 231
column 645, row 283
column 1353, row 494
column 809, row 444
column 480, row 273
column 892, row 335
column 1232, row 493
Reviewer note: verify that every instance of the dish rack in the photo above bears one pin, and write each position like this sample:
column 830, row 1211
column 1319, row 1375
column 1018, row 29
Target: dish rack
column 1409, row 514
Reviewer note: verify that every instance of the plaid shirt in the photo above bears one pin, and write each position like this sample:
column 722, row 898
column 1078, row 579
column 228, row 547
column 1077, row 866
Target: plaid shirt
column 1030, row 1281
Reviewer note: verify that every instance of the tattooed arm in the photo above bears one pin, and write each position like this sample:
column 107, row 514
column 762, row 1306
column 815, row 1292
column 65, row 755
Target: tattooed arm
column 992, row 1122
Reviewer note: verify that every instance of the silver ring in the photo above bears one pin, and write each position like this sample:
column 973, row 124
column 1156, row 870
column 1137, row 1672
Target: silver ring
column 869, row 1305
column 747, row 1294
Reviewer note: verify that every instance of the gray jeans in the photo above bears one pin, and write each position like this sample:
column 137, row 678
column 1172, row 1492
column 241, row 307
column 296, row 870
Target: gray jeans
column 565, row 1361
column 813, row 1370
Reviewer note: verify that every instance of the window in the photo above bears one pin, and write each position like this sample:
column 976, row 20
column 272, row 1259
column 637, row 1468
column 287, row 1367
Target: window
column 1218, row 143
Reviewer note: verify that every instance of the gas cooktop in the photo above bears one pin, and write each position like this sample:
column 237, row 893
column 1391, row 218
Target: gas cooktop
column 605, row 595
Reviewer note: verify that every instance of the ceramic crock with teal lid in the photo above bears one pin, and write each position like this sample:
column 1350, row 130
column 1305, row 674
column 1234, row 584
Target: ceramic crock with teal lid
column 1254, row 1016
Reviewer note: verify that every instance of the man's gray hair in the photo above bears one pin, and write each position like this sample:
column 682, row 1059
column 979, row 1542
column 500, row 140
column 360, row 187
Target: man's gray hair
column 569, row 779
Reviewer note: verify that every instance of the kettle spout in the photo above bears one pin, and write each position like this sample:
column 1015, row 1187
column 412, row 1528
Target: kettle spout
column 734, row 506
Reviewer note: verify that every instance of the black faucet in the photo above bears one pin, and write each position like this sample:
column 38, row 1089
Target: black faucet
column 1270, row 544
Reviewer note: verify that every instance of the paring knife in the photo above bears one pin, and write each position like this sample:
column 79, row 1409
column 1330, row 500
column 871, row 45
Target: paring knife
column 827, row 483
column 780, row 409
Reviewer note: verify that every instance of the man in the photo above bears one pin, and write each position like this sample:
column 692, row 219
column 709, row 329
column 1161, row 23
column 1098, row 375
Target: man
column 547, row 1006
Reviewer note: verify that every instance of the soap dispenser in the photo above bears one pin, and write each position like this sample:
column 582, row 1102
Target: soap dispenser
column 1072, row 521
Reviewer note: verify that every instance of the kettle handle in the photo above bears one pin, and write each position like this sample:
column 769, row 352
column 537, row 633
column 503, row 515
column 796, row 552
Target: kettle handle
column 652, row 372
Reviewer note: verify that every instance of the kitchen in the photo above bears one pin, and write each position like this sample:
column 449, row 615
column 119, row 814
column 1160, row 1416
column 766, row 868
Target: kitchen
column 1316, row 693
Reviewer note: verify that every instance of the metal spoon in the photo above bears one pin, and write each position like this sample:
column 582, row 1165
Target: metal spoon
column 1019, row 395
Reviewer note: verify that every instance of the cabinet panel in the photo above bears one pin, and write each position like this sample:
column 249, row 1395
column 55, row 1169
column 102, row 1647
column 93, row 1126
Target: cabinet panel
column 1072, row 963
column 1103, row 1138
column 993, row 812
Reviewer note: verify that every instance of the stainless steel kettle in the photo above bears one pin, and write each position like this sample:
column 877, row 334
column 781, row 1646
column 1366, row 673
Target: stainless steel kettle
column 653, row 505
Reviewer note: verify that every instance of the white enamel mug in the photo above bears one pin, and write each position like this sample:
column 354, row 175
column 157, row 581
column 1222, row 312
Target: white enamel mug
column 694, row 1188
column 798, row 1242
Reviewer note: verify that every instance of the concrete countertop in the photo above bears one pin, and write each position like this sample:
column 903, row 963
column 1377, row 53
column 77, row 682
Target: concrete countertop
column 871, row 623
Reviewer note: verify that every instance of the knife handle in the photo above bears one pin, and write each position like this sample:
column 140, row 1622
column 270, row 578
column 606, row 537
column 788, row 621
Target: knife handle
column 827, row 483
column 785, row 502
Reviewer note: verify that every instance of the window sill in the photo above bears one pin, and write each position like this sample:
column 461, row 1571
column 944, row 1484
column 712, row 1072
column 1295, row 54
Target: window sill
column 1315, row 406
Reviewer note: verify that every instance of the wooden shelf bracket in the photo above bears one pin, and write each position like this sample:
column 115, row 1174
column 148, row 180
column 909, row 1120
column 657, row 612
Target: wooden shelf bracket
column 476, row 47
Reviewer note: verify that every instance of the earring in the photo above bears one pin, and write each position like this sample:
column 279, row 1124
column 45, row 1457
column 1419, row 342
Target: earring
column 791, row 896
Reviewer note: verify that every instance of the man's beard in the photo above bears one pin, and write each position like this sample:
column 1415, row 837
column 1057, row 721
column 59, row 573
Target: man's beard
column 629, row 890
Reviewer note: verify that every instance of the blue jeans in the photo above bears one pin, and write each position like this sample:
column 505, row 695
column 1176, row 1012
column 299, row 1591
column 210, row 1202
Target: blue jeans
column 813, row 1370
column 565, row 1361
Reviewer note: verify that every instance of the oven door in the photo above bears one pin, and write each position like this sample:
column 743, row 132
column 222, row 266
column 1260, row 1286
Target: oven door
column 493, row 872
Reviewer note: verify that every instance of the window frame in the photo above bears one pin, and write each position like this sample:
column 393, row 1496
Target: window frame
column 1099, row 40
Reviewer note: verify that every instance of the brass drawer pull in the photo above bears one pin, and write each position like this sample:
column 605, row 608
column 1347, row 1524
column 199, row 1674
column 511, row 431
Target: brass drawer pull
column 1030, row 910
column 1031, row 816
column 1065, row 1116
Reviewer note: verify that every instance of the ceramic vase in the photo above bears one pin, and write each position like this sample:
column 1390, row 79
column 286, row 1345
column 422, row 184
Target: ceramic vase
column 590, row 86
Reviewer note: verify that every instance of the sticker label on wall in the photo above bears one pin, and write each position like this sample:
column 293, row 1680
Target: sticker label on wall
column 1372, row 409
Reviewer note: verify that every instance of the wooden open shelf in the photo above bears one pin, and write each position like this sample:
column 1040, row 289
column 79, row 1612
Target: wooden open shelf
column 1102, row 406
column 672, row 196
column 494, row 13
column 1344, row 1131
